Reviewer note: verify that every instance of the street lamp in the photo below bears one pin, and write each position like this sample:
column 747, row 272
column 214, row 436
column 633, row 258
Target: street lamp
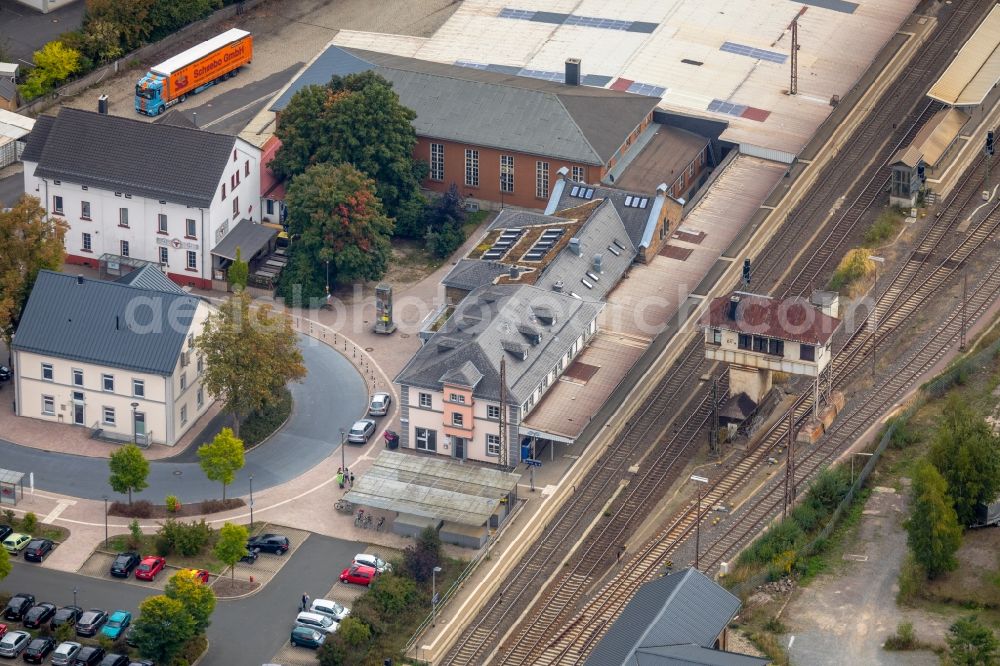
column 74, row 597
column 434, row 595
column 105, row 521
column 876, row 261
column 697, row 533
column 135, row 429
column 343, row 458
column 251, row 501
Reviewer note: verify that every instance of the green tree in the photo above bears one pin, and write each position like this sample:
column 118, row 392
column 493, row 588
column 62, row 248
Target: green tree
column 239, row 271
column 336, row 217
column 967, row 454
column 162, row 628
column 5, row 566
column 129, row 470
column 354, row 632
column 130, row 19
column 54, row 62
column 231, row 546
column 444, row 219
column 197, row 598
column 933, row 532
column 222, row 458
column 30, row 243
column 422, row 556
column 249, row 353
column 971, row 643
column 167, row 16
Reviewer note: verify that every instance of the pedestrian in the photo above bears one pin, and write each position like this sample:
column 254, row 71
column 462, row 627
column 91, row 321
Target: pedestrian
column 351, row 480
column 305, row 601
column 340, row 479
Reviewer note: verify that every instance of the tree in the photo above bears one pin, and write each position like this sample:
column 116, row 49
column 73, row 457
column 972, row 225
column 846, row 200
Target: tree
column 421, row 557
column 30, row 243
column 162, row 628
column 231, row 546
column 197, row 598
column 967, row 454
column 239, row 271
column 336, row 216
column 444, row 220
column 5, row 566
column 54, row 62
column 354, row 632
column 249, row 355
column 129, row 17
column 972, row 644
column 129, row 470
column 222, row 458
column 933, row 532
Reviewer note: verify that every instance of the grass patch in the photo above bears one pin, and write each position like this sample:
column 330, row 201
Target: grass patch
column 261, row 424
column 853, row 267
column 28, row 524
column 884, row 228
column 903, row 639
column 473, row 220
column 769, row 644
column 148, row 546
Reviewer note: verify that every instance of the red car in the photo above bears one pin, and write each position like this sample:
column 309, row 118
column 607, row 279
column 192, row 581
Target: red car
column 149, row 567
column 3, row 630
column 199, row 575
column 358, row 574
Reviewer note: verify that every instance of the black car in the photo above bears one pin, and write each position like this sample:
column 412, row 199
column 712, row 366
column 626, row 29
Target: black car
column 89, row 656
column 18, row 605
column 124, row 563
column 37, row 549
column 39, row 615
column 38, row 649
column 271, row 543
column 5, row 531
column 91, row 622
column 112, row 659
column 5, row 374
column 251, row 556
column 66, row 615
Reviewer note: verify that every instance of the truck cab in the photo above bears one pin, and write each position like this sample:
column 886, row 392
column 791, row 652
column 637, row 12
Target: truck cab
column 149, row 95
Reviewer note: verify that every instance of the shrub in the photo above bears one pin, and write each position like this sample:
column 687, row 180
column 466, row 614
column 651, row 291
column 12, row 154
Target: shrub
column 29, row 522
column 853, row 267
column 65, row 632
column 173, row 504
column 883, row 229
column 8, row 517
column 421, row 557
column 135, row 534
column 354, row 632
column 162, row 545
column 775, row 626
column 903, row 639
column 393, row 593
column 187, row 539
column 912, row 578
column 138, row 509
column 261, row 424
column 217, row 505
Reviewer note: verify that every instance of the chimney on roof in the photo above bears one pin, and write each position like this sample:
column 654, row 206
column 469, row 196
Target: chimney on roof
column 79, row 279
column 557, row 286
column 102, row 104
column 572, row 77
column 514, row 273
column 661, row 190
column 598, row 260
column 734, row 304
column 574, row 246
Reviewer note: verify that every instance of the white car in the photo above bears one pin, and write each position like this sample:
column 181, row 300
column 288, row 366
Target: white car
column 65, row 654
column 316, row 622
column 379, row 405
column 14, row 643
column 361, row 431
column 331, row 609
column 373, row 561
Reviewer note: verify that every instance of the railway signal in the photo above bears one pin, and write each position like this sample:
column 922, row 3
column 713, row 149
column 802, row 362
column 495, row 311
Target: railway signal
column 989, row 143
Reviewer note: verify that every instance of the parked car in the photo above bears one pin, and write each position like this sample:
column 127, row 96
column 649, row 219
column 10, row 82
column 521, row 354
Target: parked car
column 37, row 549
column 316, row 621
column 65, row 653
column 251, row 556
column 112, row 659
column 18, row 605
column 91, row 622
column 331, row 609
column 306, row 637
column 3, row 629
column 361, row 431
column 149, row 567
column 5, row 531
column 117, row 623
column 271, row 543
column 16, row 542
column 65, row 615
column 5, row 374
column 13, row 643
column 130, row 637
column 38, row 649
column 358, row 574
column 379, row 405
column 38, row 615
column 89, row 656
column 199, row 575
column 372, row 561
column 141, row 662
column 124, row 564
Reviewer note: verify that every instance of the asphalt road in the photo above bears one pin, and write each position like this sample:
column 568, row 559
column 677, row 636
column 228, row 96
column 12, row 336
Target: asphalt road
column 244, row 631
column 331, row 397
column 24, row 30
column 11, row 189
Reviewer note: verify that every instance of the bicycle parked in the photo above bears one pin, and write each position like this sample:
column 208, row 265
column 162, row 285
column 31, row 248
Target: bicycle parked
column 345, row 506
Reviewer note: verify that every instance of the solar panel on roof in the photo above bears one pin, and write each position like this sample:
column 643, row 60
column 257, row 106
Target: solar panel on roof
column 752, row 52
column 722, row 106
column 647, row 89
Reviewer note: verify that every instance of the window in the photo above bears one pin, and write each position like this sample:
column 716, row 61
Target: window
column 124, row 248
column 164, row 256
column 234, row 180
column 192, row 260
column 201, row 365
column 269, row 206
column 492, row 445
column 506, row 173
column 424, row 400
column 457, row 419
column 48, row 405
column 86, row 243
column 138, row 388
column 109, row 416
column 128, row 196
column 223, row 192
column 108, row 383
column 744, row 341
column 542, row 180
column 201, row 397
column 123, row 218
column 191, row 227
column 161, row 224
column 47, row 372
column 77, row 377
column 426, row 439
column 234, row 154
column 691, row 171
column 184, row 380
column 85, row 210
column 236, row 207
column 807, row 352
column 246, row 168
column 472, row 167
column 577, row 174
column 493, row 412
column 716, row 336
column 455, row 397
column 184, row 414
column 437, row 161
column 759, row 344
column 57, row 205
column 84, row 188
column 776, row 347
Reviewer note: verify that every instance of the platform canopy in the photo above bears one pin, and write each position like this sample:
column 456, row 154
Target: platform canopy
column 433, row 487
column 976, row 68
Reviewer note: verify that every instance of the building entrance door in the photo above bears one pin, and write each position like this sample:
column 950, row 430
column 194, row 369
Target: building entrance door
column 78, row 414
column 459, row 443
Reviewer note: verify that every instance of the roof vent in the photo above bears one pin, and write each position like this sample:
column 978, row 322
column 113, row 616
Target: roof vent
column 598, row 261
column 514, row 273
column 661, row 190
column 734, row 304
column 574, row 246
column 572, row 71
column 544, row 314
column 516, row 349
column 558, row 286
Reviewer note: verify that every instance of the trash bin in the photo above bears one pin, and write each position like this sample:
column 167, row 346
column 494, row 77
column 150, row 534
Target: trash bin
column 525, row 449
column 391, row 439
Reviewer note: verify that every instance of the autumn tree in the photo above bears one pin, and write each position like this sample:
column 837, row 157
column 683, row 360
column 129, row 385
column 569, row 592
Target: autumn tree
column 933, row 532
column 221, row 458
column 30, row 243
column 250, row 353
column 197, row 598
column 967, row 454
column 54, row 62
column 239, row 272
column 231, row 545
column 336, row 217
column 162, row 629
column 129, row 470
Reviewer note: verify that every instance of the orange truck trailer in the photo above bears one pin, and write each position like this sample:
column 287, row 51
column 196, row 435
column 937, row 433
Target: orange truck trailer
column 192, row 71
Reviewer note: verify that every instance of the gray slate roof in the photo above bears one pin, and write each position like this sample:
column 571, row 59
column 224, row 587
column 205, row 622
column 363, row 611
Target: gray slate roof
column 152, row 278
column 36, row 140
column 693, row 655
column 105, row 323
column 249, row 236
column 469, row 274
column 575, row 123
column 486, row 319
column 686, row 607
column 635, row 220
column 177, row 164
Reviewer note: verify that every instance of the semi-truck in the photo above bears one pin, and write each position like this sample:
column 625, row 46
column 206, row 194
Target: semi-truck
column 192, row 71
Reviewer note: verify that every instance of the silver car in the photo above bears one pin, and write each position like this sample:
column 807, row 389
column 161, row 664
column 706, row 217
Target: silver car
column 316, row 622
column 65, row 653
column 14, row 643
column 361, row 431
column 372, row 561
column 379, row 405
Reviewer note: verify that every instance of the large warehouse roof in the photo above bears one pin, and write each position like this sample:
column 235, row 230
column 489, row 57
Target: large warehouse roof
column 976, row 68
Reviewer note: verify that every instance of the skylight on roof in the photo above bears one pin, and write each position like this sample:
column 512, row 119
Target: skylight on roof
column 615, row 251
column 545, row 242
column 586, row 283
